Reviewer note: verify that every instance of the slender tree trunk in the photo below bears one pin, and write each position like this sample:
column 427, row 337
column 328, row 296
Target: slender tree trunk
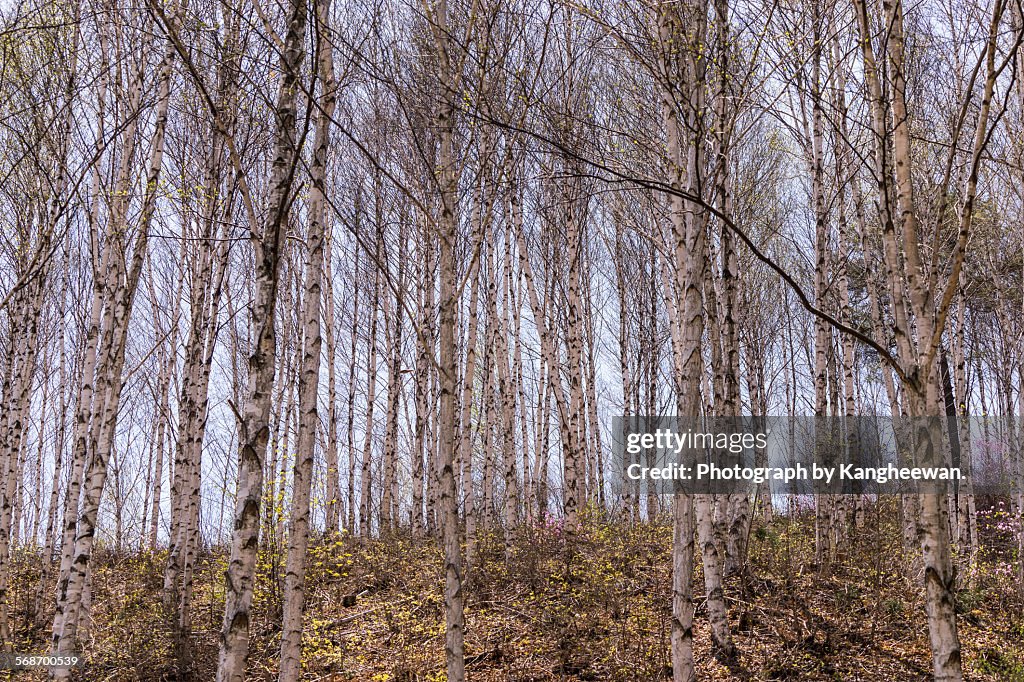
column 332, row 505
column 447, row 228
column 26, row 335
column 253, row 420
column 422, row 373
column 366, row 472
column 389, row 483
column 309, row 374
column 465, row 454
column 350, row 422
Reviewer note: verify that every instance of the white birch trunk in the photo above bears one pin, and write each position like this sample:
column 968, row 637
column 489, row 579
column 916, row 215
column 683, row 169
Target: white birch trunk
column 253, row 420
column 309, row 374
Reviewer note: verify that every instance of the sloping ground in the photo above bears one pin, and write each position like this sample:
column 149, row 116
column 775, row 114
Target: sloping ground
column 593, row 608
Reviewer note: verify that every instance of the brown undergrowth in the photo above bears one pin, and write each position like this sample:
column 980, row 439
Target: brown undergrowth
column 552, row 603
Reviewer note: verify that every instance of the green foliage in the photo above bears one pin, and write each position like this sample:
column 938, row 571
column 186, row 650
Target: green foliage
column 1005, row 666
column 969, row 599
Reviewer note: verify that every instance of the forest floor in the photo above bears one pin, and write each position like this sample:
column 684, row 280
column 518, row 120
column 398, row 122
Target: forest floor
column 595, row 608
